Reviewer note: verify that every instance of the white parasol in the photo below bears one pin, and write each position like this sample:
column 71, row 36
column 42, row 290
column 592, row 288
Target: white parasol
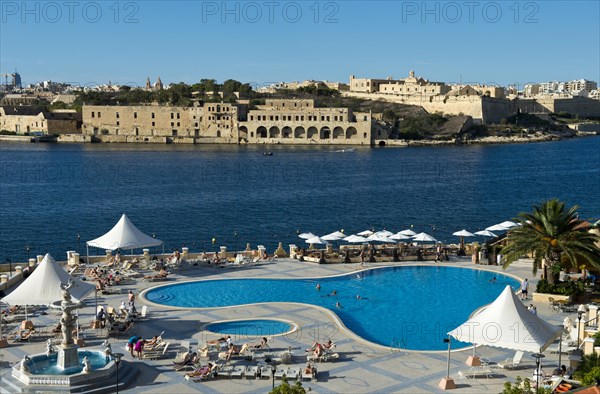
column 307, row 235
column 365, row 233
column 486, row 233
column 423, row 237
column 408, row 232
column 355, row 239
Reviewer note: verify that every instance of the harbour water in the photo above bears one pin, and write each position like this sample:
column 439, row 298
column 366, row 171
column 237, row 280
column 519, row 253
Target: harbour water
column 188, row 195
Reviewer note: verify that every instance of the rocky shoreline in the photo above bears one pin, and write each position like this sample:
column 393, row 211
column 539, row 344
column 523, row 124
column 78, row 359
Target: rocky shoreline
column 488, row 140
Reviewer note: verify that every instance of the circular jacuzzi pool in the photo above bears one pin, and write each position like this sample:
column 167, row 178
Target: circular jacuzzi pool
column 251, row 328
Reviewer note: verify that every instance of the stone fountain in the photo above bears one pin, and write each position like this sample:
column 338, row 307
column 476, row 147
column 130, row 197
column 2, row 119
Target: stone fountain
column 67, row 351
column 65, row 367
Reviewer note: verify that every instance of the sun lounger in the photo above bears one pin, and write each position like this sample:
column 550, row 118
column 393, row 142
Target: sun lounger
column 225, row 371
column 237, row 372
column 265, row 371
column 251, row 371
column 512, row 363
column 293, row 373
column 280, row 372
column 309, row 376
column 476, row 372
column 154, row 355
column 564, row 348
column 199, row 375
column 323, row 358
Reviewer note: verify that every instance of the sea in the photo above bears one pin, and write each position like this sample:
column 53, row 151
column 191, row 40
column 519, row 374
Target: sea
column 55, row 197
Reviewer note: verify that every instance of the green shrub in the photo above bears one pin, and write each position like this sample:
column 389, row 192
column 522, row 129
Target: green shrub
column 590, row 378
column 523, row 387
column 569, row 288
column 7, row 132
column 285, row 388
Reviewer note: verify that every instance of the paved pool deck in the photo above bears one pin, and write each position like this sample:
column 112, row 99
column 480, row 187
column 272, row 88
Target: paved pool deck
column 362, row 367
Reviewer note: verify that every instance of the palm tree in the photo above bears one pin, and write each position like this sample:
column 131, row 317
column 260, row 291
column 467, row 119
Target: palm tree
column 552, row 233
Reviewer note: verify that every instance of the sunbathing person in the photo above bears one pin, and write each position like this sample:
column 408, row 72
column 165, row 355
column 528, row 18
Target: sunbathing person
column 313, row 347
column 203, row 371
column 329, row 345
column 231, row 351
column 162, row 274
column 24, row 335
column 189, row 359
column 262, row 344
column 318, row 351
column 309, row 369
column 153, row 342
column 223, row 341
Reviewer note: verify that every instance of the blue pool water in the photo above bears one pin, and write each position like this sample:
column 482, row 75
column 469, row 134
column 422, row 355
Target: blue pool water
column 250, row 328
column 412, row 307
column 46, row 365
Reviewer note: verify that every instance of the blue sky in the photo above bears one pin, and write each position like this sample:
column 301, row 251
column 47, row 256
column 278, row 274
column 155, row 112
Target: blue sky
column 90, row 42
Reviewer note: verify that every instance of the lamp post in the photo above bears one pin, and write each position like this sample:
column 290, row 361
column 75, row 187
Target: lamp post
column 580, row 312
column 447, row 383
column 78, row 243
column 9, row 261
column 117, row 358
column 273, row 369
column 27, row 248
column 538, row 368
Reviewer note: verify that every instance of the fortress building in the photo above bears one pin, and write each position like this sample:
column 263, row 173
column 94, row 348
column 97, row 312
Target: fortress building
column 288, row 121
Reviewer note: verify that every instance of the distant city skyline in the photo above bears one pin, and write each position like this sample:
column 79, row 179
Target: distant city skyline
column 260, row 43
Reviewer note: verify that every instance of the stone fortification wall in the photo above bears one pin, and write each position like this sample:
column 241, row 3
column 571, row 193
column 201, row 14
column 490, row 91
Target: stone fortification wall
column 495, row 109
column 581, row 106
column 481, row 109
column 466, row 105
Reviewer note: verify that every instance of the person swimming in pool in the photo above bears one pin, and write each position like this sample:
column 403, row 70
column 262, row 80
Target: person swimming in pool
column 333, row 293
column 318, row 287
column 338, row 305
column 493, row 280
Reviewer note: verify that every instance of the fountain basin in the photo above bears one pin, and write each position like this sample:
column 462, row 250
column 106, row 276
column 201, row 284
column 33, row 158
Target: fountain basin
column 42, row 369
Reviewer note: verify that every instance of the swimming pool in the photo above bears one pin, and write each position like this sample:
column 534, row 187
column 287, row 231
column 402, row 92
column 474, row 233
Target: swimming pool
column 411, row 307
column 251, row 328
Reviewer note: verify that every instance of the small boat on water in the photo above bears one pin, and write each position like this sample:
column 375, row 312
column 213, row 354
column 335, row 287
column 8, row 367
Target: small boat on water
column 345, row 150
column 268, row 153
column 43, row 138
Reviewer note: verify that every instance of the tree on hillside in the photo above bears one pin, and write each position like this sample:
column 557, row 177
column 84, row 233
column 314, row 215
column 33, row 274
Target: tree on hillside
column 552, row 233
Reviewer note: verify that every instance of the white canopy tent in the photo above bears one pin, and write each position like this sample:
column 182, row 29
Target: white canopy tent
column 124, row 235
column 507, row 323
column 42, row 287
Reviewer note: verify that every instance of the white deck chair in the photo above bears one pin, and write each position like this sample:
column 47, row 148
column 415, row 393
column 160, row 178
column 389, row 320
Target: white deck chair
column 476, row 372
column 144, row 312
column 153, row 355
column 280, row 372
column 293, row 373
column 265, row 371
column 237, row 371
column 251, row 372
column 512, row 363
column 309, row 376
